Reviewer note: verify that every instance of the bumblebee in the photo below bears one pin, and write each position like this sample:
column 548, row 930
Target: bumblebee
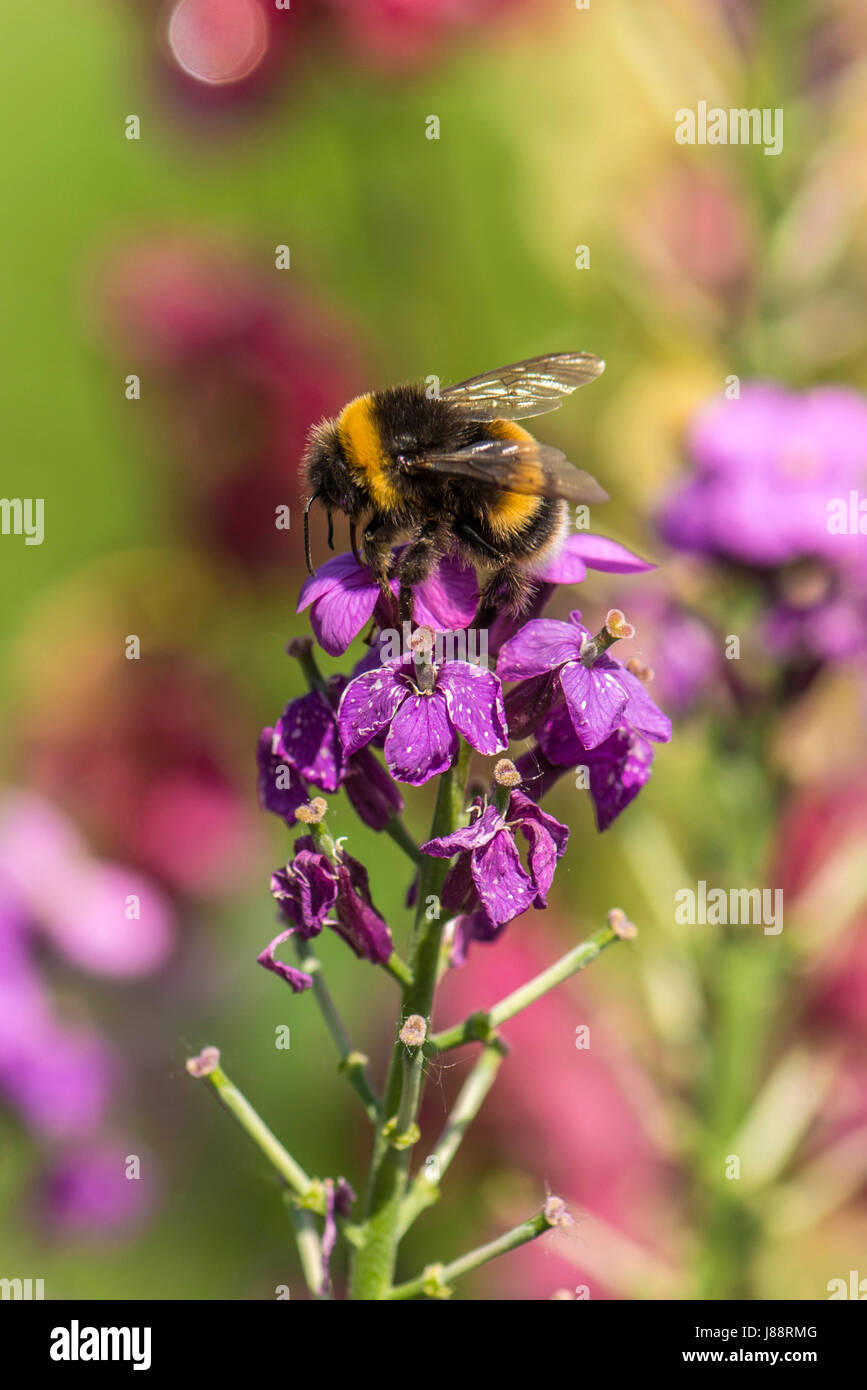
column 454, row 473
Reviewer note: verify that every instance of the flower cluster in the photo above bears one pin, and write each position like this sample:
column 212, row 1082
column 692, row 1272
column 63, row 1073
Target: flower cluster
column 777, row 497
column 586, row 709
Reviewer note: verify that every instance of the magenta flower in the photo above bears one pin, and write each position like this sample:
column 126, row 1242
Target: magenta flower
column 617, row 768
column 343, row 596
column 489, row 871
column 307, row 891
column 423, row 725
column 305, row 747
column 599, row 697
column 767, row 466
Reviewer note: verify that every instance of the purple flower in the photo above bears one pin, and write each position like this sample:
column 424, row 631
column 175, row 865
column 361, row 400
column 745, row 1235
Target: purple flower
column 617, row 769
column 489, row 870
column 307, row 891
column 281, row 789
column 305, row 747
column 344, row 596
column 767, row 466
column 600, row 697
column 423, row 725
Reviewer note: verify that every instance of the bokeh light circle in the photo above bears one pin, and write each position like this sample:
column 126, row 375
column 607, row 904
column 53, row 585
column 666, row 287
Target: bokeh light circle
column 217, row 41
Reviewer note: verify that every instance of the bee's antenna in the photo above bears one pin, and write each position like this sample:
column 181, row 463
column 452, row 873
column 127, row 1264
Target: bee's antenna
column 330, row 530
column 310, row 502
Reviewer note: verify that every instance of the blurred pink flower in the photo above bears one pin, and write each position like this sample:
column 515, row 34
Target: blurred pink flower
column 566, row 1115
column 104, row 918
column 87, row 1191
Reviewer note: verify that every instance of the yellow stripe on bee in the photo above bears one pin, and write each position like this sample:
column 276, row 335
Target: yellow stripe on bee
column 362, row 447
column 511, row 511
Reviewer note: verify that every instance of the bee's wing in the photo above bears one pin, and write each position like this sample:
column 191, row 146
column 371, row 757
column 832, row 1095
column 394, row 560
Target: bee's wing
column 516, row 465
column 524, row 388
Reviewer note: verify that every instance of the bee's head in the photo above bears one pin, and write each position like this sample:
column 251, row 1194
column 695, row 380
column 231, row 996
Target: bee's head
column 329, row 479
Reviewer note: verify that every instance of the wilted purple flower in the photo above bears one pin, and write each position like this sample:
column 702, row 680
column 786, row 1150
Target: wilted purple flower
column 339, row 1198
column 768, row 464
column 489, row 870
column 599, row 697
column 617, row 768
column 423, row 725
column 344, row 596
column 307, row 891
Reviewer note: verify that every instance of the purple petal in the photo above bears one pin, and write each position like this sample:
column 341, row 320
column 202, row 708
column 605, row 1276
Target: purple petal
column 542, row 645
column 447, row 600
column 538, row 773
column 306, row 735
column 559, row 741
column 596, row 700
column 367, row 705
column 459, row 891
column 343, row 594
column 281, row 790
column 358, row 922
column 618, row 769
column 476, row 926
column 479, row 832
column 295, row 979
column 503, row 887
column 305, row 890
column 601, row 553
column 528, row 702
column 547, row 839
column 474, row 698
column 641, row 713
column 421, row 741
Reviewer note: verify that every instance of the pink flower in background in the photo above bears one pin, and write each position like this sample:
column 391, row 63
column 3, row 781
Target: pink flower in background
column 567, row 1116
column 93, row 1191
column 107, row 919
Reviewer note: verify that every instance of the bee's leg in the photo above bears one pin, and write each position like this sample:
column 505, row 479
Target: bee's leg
column 507, row 588
column 353, row 540
column 416, row 563
column 376, row 542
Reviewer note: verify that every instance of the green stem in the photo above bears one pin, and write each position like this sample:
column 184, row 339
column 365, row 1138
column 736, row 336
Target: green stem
column 309, row 1249
column 241, row 1110
column 436, row 1280
column 478, row 1027
column 373, row 1265
column 424, row 1189
column 353, row 1063
column 401, row 836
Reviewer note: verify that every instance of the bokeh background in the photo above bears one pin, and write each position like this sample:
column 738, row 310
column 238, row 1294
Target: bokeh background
column 154, row 257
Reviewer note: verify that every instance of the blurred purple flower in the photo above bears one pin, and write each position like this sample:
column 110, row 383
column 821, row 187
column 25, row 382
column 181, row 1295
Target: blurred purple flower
column 423, row 725
column 767, row 465
column 87, row 1192
column 599, row 697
